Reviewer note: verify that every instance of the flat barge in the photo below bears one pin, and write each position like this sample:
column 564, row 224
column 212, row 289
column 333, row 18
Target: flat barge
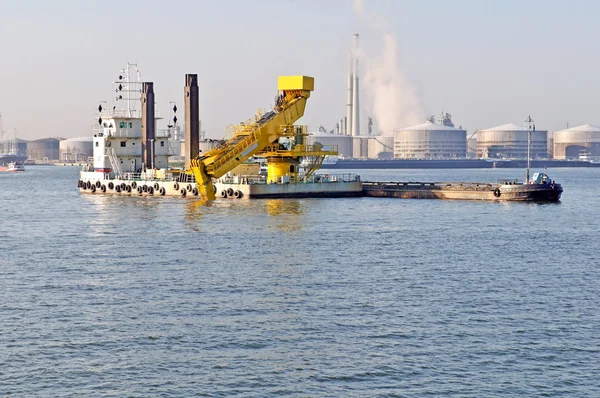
column 504, row 191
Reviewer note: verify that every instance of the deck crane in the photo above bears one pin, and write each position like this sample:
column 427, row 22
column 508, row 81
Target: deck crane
column 261, row 136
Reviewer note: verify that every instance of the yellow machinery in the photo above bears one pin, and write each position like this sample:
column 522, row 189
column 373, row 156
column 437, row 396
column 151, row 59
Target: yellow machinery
column 272, row 135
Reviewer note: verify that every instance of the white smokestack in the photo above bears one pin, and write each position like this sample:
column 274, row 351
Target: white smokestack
column 355, row 93
column 348, row 124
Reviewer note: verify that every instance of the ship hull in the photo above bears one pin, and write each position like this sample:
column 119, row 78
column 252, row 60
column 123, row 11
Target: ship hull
column 5, row 159
column 465, row 191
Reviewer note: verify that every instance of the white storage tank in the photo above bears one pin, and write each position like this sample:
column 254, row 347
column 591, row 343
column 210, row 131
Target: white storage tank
column 343, row 142
column 509, row 141
column 577, row 142
column 430, row 141
column 381, row 147
column 206, row 145
column 76, row 149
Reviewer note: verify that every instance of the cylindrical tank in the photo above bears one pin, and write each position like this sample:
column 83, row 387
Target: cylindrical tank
column 44, row 149
column 208, row 144
column 344, row 142
column 577, row 142
column 76, row 149
column 509, row 141
column 430, row 141
column 381, row 147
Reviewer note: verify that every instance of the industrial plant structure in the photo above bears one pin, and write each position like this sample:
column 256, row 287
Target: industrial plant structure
column 21, row 147
column 577, row 142
column 44, row 149
column 381, row 147
column 75, row 150
column 430, row 140
column 509, row 141
column 344, row 143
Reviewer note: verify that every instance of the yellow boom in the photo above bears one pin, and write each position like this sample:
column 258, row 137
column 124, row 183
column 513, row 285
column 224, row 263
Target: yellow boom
column 253, row 137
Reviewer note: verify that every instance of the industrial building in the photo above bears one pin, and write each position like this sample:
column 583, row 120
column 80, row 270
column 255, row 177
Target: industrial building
column 21, row 147
column 381, row 147
column 430, row 140
column 509, row 141
column 75, row 150
column 345, row 143
column 44, row 149
column 577, row 142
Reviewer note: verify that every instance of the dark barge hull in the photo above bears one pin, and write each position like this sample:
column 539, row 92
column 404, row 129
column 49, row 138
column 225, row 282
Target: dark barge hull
column 464, row 191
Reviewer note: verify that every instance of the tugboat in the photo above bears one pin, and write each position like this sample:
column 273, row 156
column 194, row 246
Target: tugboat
column 541, row 187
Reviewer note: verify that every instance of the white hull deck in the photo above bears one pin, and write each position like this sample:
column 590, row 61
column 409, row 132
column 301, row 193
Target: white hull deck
column 236, row 187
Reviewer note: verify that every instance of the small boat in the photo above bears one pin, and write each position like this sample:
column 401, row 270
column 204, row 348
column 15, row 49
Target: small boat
column 15, row 166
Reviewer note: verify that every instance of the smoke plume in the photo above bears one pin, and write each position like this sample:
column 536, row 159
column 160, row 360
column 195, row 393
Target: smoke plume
column 392, row 99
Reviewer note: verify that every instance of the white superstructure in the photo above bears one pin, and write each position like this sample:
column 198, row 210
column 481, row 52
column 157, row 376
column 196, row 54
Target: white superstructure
column 117, row 141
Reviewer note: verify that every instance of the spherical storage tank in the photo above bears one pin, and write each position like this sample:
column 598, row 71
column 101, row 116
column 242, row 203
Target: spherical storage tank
column 509, row 141
column 430, row 140
column 76, row 149
column 574, row 142
column 45, row 148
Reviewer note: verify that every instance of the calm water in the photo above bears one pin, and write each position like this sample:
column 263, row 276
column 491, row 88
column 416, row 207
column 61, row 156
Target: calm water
column 121, row 296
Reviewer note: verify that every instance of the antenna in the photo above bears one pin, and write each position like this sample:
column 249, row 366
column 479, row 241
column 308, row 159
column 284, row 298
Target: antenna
column 127, row 88
column 529, row 124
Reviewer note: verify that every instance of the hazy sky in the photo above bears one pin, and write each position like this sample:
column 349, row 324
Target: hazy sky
column 486, row 62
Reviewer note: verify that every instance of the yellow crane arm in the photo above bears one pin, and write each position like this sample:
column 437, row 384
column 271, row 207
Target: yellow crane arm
column 255, row 137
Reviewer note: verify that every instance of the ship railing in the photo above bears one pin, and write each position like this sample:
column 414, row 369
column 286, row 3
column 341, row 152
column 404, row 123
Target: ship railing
column 326, row 177
column 315, row 178
column 115, row 132
column 124, row 113
column 243, row 179
column 446, row 184
column 508, row 181
column 156, row 176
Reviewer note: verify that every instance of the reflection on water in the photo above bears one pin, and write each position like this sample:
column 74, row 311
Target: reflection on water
column 285, row 214
column 277, row 207
column 195, row 208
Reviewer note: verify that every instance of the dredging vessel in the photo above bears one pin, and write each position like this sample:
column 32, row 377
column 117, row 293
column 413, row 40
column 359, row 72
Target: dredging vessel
column 131, row 158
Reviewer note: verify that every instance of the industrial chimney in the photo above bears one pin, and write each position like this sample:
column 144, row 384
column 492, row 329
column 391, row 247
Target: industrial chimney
column 355, row 93
column 148, row 125
column 348, row 124
column 192, row 119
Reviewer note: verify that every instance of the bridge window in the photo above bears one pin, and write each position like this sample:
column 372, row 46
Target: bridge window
column 123, row 143
column 162, row 143
column 97, row 144
column 130, row 125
